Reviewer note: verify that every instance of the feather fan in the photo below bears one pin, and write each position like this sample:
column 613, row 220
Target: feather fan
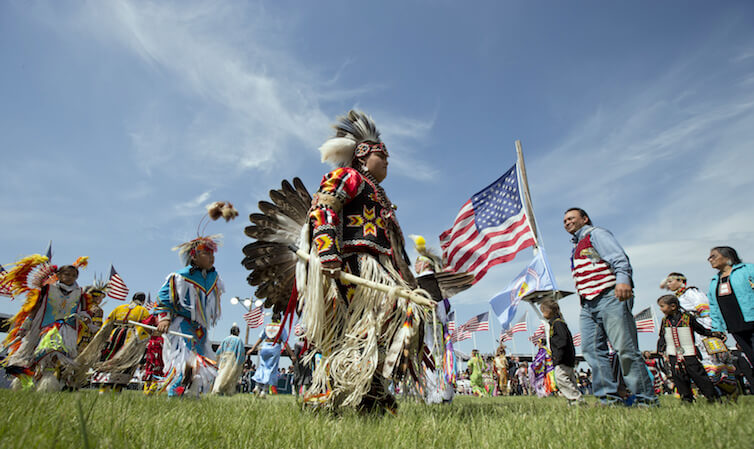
column 275, row 227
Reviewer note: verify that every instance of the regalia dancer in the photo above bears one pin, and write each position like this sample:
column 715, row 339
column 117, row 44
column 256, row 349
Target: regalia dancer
column 367, row 338
column 189, row 303
column 693, row 300
column 230, row 358
column 153, row 364
column 97, row 293
column 119, row 345
column 43, row 338
column 352, row 276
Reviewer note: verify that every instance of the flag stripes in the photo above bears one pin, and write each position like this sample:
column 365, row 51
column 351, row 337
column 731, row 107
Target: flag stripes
column 477, row 323
column 254, row 318
column 519, row 327
column 577, row 339
column 645, row 321
column 116, row 288
column 538, row 333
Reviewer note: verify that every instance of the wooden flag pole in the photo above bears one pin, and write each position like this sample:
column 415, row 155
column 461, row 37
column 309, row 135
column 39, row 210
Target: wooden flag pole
column 526, row 195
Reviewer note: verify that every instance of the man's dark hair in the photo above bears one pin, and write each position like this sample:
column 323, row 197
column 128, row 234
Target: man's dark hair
column 729, row 253
column 583, row 214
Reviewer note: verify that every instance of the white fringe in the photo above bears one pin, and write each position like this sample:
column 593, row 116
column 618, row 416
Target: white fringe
column 354, row 339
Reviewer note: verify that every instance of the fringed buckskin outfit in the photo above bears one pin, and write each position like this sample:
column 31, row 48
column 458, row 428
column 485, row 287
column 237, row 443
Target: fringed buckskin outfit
column 367, row 338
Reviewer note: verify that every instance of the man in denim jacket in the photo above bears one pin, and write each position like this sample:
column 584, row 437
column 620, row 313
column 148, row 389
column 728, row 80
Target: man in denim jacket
column 602, row 273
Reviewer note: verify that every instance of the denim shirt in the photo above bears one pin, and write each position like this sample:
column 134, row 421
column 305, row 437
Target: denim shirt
column 609, row 250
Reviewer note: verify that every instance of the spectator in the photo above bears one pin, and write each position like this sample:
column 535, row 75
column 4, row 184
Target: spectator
column 731, row 297
column 602, row 273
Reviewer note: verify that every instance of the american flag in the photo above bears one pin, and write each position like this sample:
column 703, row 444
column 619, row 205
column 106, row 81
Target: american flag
column 116, row 288
column 4, row 288
column 577, row 339
column 645, row 322
column 461, row 335
column 452, row 322
column 298, row 329
column 477, row 323
column 506, row 336
column 490, row 228
column 254, row 317
column 149, row 304
column 520, row 326
column 538, row 333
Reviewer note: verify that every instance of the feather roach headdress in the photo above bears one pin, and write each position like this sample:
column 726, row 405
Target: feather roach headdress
column 356, row 136
column 208, row 243
column 34, row 272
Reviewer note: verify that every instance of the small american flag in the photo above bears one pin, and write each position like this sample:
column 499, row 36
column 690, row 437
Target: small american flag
column 116, row 288
column 4, row 288
column 490, row 228
column 538, row 333
column 452, row 322
column 477, row 323
column 254, row 317
column 506, row 336
column 149, row 304
column 645, row 321
column 461, row 335
column 577, row 339
column 298, row 329
column 519, row 327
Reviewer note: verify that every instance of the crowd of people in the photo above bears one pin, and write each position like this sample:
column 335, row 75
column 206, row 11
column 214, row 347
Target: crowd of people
column 372, row 327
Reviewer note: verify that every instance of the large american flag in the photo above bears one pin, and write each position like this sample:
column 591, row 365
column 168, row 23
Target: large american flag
column 645, row 322
column 4, row 288
column 254, row 317
column 577, row 339
column 116, row 288
column 490, row 228
column 538, row 333
column 520, row 326
column 477, row 323
column 452, row 322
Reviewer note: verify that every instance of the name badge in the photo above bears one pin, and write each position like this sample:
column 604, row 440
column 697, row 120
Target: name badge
column 724, row 289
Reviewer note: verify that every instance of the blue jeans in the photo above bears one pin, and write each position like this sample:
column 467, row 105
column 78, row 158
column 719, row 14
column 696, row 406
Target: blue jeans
column 608, row 319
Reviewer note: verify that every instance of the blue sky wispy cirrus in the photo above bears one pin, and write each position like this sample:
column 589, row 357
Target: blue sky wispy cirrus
column 120, row 120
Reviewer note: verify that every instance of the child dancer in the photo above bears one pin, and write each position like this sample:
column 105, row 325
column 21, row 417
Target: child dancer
column 676, row 341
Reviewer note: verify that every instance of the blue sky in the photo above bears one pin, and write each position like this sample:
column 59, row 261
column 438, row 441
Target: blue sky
column 120, row 120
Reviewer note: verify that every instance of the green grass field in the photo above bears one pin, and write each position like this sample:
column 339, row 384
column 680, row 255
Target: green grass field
column 130, row 420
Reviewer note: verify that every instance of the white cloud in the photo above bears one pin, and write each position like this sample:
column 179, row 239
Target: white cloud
column 254, row 103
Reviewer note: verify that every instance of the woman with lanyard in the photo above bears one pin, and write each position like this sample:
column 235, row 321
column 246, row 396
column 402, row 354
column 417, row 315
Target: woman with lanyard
column 731, row 297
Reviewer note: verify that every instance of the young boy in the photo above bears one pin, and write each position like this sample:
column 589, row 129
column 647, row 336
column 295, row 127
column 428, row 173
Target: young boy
column 676, row 341
column 563, row 352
